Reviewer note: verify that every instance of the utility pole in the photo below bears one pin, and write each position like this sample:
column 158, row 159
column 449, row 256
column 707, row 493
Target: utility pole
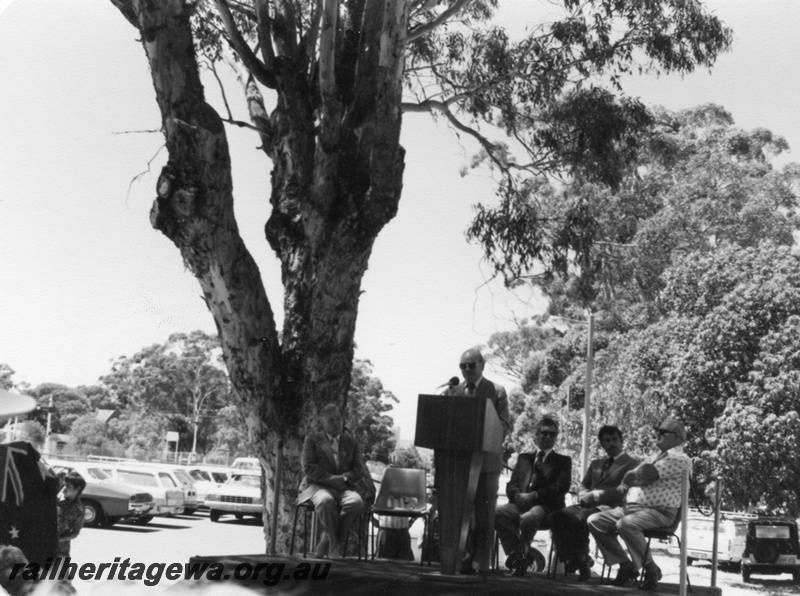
column 587, row 392
column 49, row 417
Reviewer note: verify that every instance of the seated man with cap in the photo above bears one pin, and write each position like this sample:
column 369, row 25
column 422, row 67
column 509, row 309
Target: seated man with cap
column 653, row 501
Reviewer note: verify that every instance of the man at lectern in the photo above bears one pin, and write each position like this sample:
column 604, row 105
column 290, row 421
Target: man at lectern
column 536, row 490
column 333, row 465
column 475, row 385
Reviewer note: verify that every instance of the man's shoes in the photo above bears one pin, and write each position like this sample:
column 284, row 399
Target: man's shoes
column 624, row 575
column 523, row 563
column 513, row 559
column 652, row 575
column 323, row 547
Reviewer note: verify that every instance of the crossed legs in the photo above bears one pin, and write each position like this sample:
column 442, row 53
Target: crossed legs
column 629, row 522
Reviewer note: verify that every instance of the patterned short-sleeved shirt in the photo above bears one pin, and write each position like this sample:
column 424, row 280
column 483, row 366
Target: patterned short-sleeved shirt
column 70, row 520
column 666, row 491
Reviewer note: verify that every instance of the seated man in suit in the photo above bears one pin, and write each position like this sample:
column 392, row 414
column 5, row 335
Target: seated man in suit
column 600, row 490
column 536, row 490
column 652, row 501
column 333, row 465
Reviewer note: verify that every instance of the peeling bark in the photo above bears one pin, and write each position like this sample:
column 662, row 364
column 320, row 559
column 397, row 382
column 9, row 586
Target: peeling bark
column 336, row 181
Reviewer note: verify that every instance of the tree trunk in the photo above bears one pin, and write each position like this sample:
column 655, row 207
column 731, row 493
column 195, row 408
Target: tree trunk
column 335, row 185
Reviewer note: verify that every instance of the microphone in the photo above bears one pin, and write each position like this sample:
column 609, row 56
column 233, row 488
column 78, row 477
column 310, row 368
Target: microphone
column 451, row 383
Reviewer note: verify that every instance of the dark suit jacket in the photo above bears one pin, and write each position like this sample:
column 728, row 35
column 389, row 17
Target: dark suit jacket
column 552, row 481
column 608, row 481
column 319, row 465
column 486, row 389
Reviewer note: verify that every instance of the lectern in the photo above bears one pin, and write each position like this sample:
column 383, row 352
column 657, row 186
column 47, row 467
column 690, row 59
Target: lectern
column 459, row 430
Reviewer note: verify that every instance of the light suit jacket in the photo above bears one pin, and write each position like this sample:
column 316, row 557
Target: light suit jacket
column 319, row 465
column 486, row 389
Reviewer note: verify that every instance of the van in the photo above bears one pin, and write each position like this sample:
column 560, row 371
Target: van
column 167, row 493
column 700, row 537
column 180, row 477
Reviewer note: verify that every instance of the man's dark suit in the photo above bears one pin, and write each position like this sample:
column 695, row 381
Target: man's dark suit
column 335, row 505
column 516, row 526
column 599, row 490
column 479, row 545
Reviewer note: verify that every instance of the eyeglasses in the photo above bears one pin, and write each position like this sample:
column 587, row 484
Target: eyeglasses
column 548, row 433
column 468, row 365
column 663, row 431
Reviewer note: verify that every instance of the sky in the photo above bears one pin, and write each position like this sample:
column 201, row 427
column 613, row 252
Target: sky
column 85, row 279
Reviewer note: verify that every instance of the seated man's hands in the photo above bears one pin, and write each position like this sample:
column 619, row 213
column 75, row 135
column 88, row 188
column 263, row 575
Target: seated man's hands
column 339, row 482
column 526, row 500
column 642, row 475
column 589, row 498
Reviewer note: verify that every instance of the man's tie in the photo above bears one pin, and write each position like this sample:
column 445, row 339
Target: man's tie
column 608, row 464
column 537, row 467
column 470, row 389
column 335, row 449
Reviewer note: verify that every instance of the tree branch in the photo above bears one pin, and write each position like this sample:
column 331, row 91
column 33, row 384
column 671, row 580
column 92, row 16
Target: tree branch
column 327, row 50
column 450, row 12
column 264, row 76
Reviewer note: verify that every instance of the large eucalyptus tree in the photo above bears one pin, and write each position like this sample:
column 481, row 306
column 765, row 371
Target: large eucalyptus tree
column 326, row 83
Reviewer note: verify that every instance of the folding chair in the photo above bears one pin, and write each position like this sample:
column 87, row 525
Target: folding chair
column 402, row 493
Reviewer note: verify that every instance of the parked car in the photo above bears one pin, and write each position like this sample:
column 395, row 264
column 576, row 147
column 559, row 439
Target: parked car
column 207, row 479
column 771, row 548
column 180, row 478
column 700, row 538
column 246, row 463
column 240, row 495
column 167, row 493
column 106, row 501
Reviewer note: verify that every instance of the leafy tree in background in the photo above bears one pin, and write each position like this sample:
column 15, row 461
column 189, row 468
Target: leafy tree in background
column 690, row 265
column 68, row 404
column 759, row 429
column 408, row 457
column 6, row 372
column 334, row 74
column 366, row 415
column 173, row 383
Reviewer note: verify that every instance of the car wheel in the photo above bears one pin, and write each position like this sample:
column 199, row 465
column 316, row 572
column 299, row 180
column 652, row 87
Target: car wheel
column 213, row 515
column 110, row 521
column 745, row 574
column 689, row 561
column 142, row 521
column 92, row 514
column 239, row 516
column 189, row 511
column 796, row 576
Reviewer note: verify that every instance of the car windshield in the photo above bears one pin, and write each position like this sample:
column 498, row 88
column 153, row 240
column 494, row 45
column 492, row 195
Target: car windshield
column 183, row 477
column 97, row 473
column 245, row 479
column 200, row 475
column 140, row 478
column 778, row 532
column 219, row 477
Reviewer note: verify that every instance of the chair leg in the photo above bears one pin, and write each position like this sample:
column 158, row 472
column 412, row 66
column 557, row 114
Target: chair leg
column 294, row 529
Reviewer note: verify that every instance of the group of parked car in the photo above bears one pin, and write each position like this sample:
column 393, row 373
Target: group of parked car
column 129, row 490
column 747, row 543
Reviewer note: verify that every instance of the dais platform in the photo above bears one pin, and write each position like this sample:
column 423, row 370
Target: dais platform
column 350, row 577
